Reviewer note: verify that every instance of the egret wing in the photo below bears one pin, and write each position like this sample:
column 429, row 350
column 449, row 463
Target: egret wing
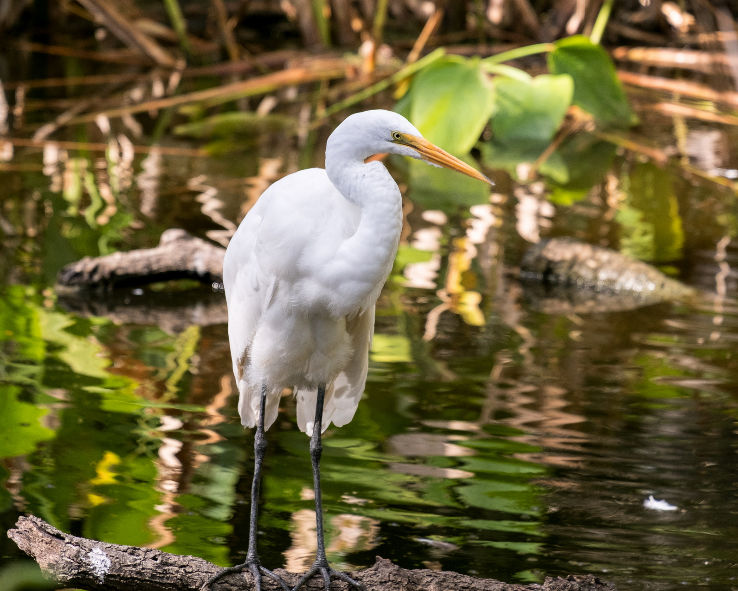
column 343, row 395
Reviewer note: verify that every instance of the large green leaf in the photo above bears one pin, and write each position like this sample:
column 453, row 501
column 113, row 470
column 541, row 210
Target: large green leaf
column 597, row 89
column 530, row 111
column 450, row 103
column 527, row 115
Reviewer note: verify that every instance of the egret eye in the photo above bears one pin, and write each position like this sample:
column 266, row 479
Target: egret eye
column 396, row 136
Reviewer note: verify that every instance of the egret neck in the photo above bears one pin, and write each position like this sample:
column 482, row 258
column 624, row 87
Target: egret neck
column 373, row 247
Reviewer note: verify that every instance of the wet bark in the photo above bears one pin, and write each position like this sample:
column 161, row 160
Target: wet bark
column 88, row 564
column 179, row 255
column 564, row 275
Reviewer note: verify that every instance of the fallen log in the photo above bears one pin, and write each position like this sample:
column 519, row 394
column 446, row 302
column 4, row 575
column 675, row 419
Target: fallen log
column 98, row 566
column 179, row 255
column 563, row 275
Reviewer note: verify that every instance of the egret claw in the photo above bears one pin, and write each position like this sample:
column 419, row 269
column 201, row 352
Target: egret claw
column 327, row 572
column 256, row 571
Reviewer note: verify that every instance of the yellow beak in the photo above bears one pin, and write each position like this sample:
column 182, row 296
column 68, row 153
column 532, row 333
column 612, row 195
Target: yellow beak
column 436, row 155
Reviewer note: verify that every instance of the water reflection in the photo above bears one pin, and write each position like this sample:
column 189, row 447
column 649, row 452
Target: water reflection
column 501, row 434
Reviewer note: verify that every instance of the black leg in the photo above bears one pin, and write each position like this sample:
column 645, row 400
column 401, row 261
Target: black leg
column 321, row 561
column 252, row 558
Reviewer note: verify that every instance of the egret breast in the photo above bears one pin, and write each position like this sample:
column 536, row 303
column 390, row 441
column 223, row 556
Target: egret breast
column 299, row 348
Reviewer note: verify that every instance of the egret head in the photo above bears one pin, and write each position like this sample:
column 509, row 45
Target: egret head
column 370, row 133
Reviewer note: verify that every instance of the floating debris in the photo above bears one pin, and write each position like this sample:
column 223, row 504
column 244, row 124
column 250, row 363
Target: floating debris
column 658, row 505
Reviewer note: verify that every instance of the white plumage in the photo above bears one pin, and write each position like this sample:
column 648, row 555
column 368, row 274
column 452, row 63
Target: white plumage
column 302, row 275
column 305, row 267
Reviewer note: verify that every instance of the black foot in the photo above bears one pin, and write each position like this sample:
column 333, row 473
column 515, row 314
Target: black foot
column 327, row 573
column 256, row 571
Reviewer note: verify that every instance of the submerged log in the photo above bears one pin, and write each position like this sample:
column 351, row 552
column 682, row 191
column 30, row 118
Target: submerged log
column 568, row 275
column 88, row 564
column 179, row 255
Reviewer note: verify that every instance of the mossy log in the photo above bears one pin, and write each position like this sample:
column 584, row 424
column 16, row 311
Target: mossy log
column 564, row 275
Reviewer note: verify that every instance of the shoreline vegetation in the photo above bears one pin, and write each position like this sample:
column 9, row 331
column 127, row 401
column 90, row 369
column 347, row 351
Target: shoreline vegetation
column 203, row 70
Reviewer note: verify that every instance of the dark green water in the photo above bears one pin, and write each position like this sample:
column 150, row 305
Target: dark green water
column 502, row 434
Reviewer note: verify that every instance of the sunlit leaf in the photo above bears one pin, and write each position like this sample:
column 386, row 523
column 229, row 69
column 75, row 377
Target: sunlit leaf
column 82, row 354
column 130, row 501
column 597, row 88
column 450, row 103
column 467, row 306
column 185, row 348
column 528, row 114
column 407, row 255
column 530, row 111
column 19, row 319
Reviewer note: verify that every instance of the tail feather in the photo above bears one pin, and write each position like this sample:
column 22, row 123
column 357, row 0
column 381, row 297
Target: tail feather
column 249, row 403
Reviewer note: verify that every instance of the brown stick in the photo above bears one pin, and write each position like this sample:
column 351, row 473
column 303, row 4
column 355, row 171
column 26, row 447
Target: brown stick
column 88, row 564
column 312, row 72
column 681, row 87
column 102, row 147
column 668, row 57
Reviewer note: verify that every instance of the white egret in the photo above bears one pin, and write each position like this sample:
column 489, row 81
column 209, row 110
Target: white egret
column 302, row 275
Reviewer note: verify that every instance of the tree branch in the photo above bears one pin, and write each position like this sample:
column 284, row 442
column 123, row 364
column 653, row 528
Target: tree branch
column 98, row 566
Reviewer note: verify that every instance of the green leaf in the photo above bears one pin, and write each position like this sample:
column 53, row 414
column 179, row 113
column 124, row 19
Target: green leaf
column 83, row 355
column 450, row 103
column 530, row 111
column 597, row 89
column 528, row 114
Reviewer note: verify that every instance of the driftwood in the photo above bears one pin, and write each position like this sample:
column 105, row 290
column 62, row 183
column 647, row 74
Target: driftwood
column 87, row 564
column 178, row 256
